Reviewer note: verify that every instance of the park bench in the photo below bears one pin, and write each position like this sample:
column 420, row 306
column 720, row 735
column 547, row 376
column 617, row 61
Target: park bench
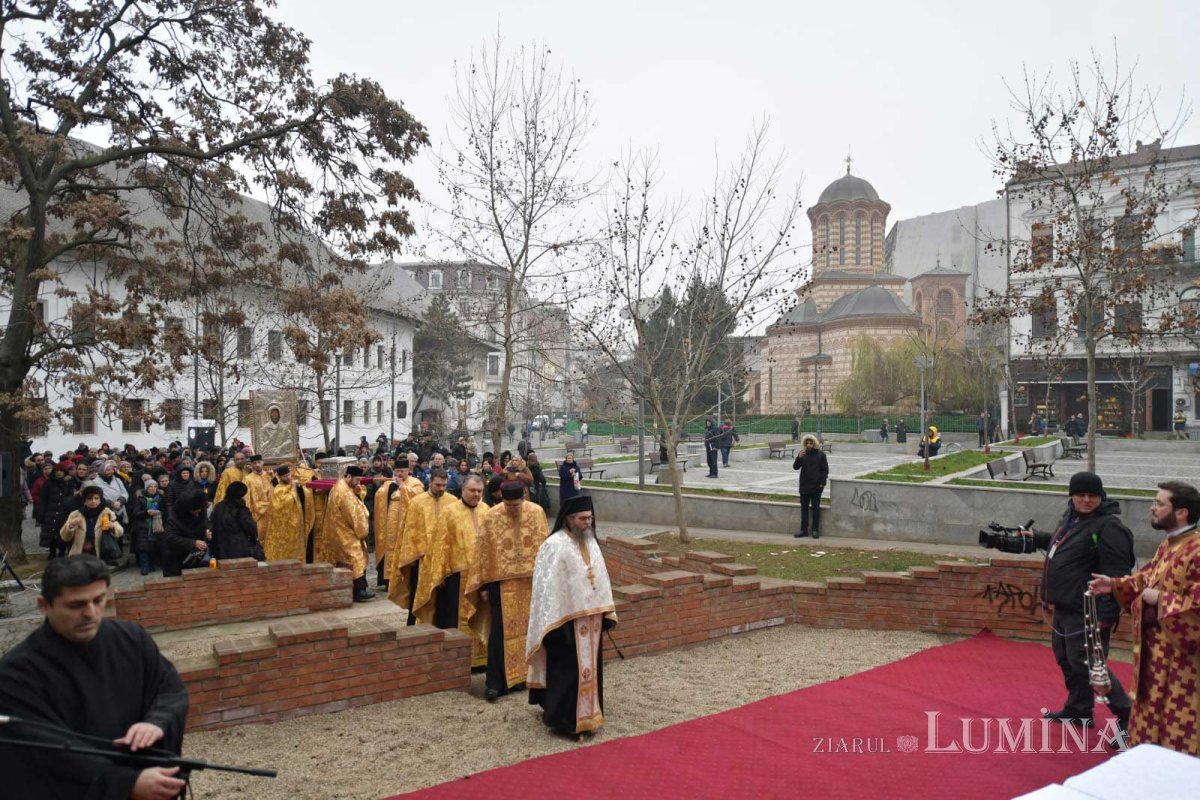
column 587, row 468
column 826, row 447
column 657, row 461
column 780, row 448
column 578, row 448
column 1073, row 448
column 625, row 445
column 998, row 470
column 1035, row 467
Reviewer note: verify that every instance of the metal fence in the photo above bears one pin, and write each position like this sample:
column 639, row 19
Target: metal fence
column 946, row 423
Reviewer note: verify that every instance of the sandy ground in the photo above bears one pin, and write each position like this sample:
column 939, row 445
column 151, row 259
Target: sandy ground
column 386, row 749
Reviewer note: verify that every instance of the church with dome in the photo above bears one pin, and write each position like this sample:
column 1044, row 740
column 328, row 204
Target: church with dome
column 806, row 354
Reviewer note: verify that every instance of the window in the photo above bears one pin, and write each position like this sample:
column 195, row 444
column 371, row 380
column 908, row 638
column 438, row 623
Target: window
column 1189, row 307
column 1042, row 244
column 435, row 279
column 82, row 329
column 1081, row 325
column 379, row 410
column 131, row 415
column 39, row 425
column 1189, row 244
column 404, row 361
column 302, row 411
column 858, row 237
column 401, row 409
column 348, row 358
column 244, row 336
column 464, row 279
column 347, row 412
column 918, row 304
column 493, row 364
column 274, row 345
column 1127, row 238
column 83, row 415
column 379, row 356
column 209, row 409
column 172, row 411
column 828, row 249
column 243, row 413
column 213, row 345
column 173, row 330
column 366, row 357
column 1045, row 322
column 366, row 412
column 841, row 240
column 39, row 320
column 945, row 303
column 1128, row 317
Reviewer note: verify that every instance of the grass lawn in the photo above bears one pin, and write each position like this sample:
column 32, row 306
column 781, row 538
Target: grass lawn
column 1060, row 488
column 807, row 562
column 35, row 565
column 938, row 467
column 1030, row 441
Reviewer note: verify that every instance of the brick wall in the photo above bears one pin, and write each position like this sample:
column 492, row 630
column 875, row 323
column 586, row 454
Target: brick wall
column 318, row 666
column 240, row 590
column 669, row 601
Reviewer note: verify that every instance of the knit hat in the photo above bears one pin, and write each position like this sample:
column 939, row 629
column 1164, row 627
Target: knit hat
column 1086, row 483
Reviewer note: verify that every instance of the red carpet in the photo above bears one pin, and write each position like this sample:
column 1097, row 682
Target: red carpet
column 766, row 749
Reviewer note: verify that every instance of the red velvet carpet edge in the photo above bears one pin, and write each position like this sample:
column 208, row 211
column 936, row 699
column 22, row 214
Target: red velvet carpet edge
column 803, row 744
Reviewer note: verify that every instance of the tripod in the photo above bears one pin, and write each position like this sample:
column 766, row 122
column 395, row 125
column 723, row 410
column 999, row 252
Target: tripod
column 7, row 567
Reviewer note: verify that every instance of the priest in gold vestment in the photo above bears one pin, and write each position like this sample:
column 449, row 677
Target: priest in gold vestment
column 258, row 498
column 440, row 599
column 572, row 605
column 500, row 582
column 346, row 521
column 233, row 473
column 290, row 522
column 424, row 520
column 1164, row 600
column 391, row 506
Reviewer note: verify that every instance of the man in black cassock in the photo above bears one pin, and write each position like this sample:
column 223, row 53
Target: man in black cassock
column 94, row 677
column 572, row 593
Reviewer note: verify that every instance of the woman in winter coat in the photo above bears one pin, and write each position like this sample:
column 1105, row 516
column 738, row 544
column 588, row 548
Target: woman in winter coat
column 569, row 479
column 539, row 494
column 206, row 479
column 56, row 501
column 146, row 525
column 234, row 533
column 85, row 527
column 186, row 529
column 116, row 494
column 35, row 489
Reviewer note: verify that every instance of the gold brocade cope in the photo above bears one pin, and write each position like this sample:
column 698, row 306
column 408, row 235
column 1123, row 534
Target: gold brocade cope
column 422, row 522
column 347, row 522
column 504, row 553
column 389, row 517
column 230, row 474
column 289, row 523
column 258, row 498
column 450, row 550
column 1166, row 658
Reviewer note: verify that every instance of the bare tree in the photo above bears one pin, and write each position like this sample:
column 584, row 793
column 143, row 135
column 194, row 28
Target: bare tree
column 515, row 186
column 1099, row 242
column 674, row 293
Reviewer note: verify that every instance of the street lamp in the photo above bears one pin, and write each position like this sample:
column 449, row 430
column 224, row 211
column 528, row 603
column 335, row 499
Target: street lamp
column 641, row 310
column 923, row 363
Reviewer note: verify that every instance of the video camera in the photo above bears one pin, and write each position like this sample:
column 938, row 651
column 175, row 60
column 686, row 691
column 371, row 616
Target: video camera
column 1007, row 540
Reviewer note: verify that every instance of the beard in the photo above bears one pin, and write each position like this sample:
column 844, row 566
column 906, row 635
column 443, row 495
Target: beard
column 582, row 533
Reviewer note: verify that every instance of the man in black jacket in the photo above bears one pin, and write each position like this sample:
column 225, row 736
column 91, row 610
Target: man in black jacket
column 1089, row 539
column 814, row 474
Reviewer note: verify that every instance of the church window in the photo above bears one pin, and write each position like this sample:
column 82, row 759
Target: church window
column 826, row 243
column 917, row 303
column 858, row 238
column 945, row 303
column 841, row 240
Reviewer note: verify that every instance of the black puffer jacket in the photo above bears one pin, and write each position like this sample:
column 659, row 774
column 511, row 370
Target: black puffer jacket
column 185, row 526
column 234, row 533
column 814, row 470
column 1098, row 543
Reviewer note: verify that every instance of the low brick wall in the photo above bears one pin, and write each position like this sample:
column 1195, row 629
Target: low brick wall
column 316, row 666
column 241, row 590
column 665, row 602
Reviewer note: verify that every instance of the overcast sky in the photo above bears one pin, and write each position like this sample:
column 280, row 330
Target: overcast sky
column 911, row 88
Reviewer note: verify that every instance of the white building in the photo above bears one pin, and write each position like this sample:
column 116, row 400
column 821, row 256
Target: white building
column 962, row 239
column 1138, row 387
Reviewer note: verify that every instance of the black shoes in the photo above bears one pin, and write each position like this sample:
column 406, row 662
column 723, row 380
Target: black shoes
column 800, row 535
column 363, row 595
column 492, row 695
column 1065, row 717
column 816, row 534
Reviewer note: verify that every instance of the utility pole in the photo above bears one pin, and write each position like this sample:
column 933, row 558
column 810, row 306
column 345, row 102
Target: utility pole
column 337, row 405
column 923, row 363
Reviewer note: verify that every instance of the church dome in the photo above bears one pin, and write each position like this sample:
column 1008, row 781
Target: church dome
column 802, row 314
column 848, row 187
column 873, row 301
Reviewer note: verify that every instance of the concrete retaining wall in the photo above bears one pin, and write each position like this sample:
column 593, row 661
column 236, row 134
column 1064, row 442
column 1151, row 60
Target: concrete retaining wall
column 954, row 514
column 658, row 508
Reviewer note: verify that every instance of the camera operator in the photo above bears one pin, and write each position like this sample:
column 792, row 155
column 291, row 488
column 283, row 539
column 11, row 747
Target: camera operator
column 1090, row 538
